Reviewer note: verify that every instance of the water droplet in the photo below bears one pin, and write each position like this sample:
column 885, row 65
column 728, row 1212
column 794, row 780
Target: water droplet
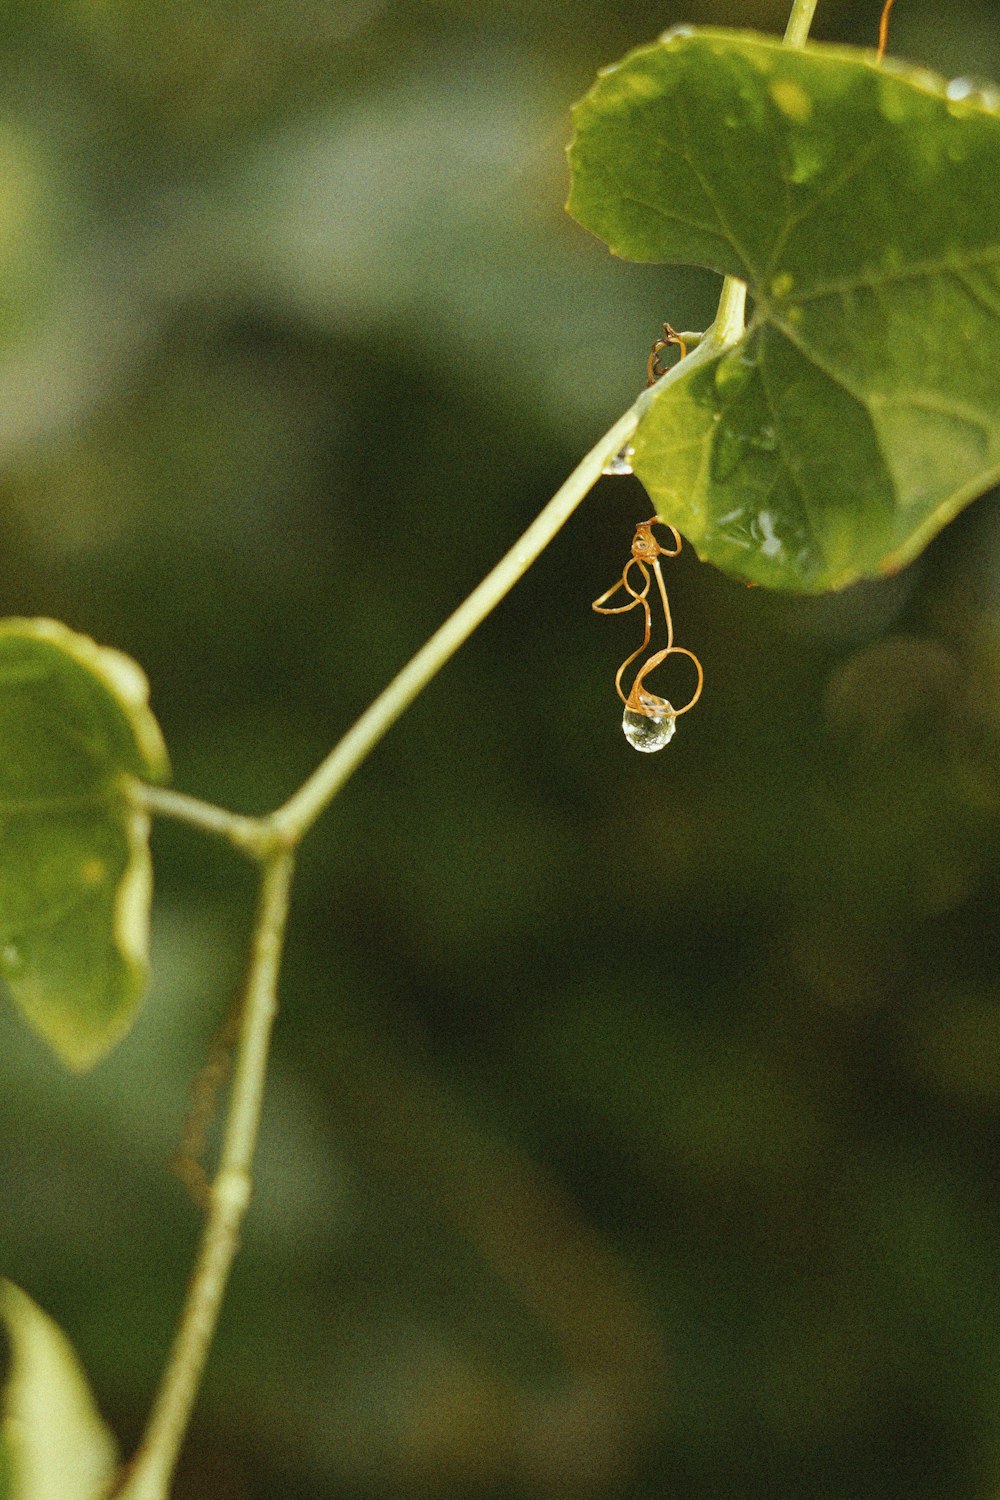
column 770, row 544
column 978, row 91
column 11, row 960
column 621, row 463
column 651, row 729
column 677, row 33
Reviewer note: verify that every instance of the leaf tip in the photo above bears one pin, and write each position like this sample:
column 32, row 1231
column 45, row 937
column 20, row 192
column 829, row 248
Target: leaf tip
column 53, row 1439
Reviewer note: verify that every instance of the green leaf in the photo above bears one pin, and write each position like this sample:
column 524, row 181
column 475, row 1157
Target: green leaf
column 861, row 410
column 75, row 871
column 53, row 1442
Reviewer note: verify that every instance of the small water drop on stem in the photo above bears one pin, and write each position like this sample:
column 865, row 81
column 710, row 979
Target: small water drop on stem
column 621, row 463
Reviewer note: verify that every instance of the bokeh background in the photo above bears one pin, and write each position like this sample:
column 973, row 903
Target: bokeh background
column 634, row 1127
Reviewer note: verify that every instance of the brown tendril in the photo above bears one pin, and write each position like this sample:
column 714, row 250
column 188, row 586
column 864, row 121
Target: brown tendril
column 883, row 29
column 645, row 556
column 187, row 1161
column 654, row 370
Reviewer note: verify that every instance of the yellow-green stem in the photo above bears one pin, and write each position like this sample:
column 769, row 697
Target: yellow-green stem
column 149, row 1475
column 799, row 22
column 251, row 836
column 301, row 811
column 271, row 841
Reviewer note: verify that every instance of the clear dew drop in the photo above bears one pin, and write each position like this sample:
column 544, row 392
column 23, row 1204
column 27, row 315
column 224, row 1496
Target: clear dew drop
column 621, row 463
column 651, row 729
column 973, row 91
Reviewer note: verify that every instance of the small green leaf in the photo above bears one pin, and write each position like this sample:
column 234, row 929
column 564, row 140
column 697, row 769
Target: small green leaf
column 75, row 871
column 861, row 410
column 53, row 1442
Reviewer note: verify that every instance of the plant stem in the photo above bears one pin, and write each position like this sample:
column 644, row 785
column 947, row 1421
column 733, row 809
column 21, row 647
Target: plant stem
column 148, row 1476
column 304, row 807
column 799, row 22
column 250, row 835
column 271, row 842
column 728, row 325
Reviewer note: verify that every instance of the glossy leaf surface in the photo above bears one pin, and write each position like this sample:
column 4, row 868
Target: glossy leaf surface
column 861, row 409
column 53, row 1443
column 75, row 874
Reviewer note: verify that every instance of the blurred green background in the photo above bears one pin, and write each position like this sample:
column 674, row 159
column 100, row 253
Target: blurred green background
column 634, row 1123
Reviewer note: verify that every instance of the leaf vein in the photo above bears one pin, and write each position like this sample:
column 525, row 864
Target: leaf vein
column 848, row 172
column 709, row 192
column 807, row 520
column 877, row 283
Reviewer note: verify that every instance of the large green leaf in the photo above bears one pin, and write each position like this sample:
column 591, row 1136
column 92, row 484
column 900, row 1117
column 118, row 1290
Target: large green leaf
column 861, row 203
column 53, row 1443
column 75, row 874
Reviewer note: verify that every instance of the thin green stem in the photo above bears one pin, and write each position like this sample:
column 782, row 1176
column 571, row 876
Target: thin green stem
column 272, row 840
column 251, row 836
column 300, row 812
column 148, row 1476
column 729, row 318
column 799, row 22
column 302, row 809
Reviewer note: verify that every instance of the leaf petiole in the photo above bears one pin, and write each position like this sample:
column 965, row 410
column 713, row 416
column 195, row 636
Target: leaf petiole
column 251, row 836
column 799, row 22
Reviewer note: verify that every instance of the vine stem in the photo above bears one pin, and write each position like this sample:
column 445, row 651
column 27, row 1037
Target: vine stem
column 799, row 22
column 272, row 840
column 149, row 1474
column 302, row 809
column 249, row 835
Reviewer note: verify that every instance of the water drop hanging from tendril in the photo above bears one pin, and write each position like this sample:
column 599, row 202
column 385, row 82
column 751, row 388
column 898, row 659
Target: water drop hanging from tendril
column 649, row 721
